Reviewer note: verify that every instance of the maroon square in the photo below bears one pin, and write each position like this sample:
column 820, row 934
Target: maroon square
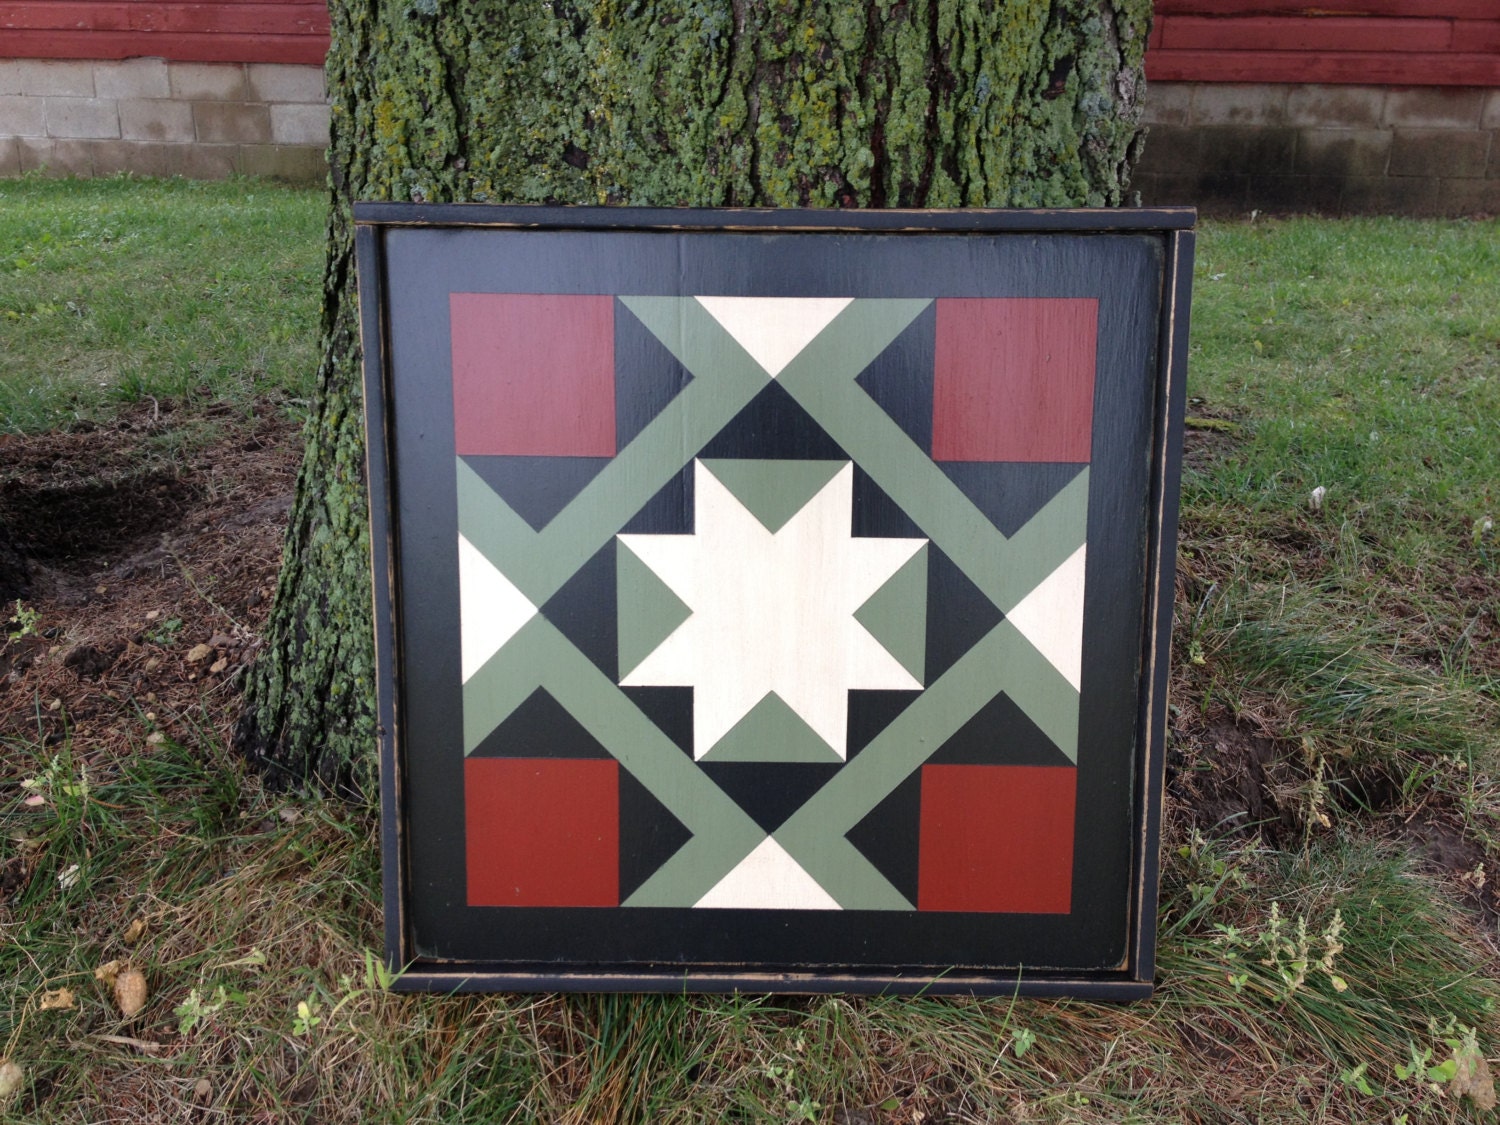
column 533, row 374
column 1014, row 379
column 997, row 839
column 542, row 831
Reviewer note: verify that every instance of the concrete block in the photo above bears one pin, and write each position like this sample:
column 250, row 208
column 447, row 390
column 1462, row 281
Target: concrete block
column 1391, row 195
column 1469, row 197
column 1239, row 104
column 1488, row 119
column 156, row 119
column 300, row 124
column 64, row 78
column 22, row 117
column 1295, row 195
column 1169, row 103
column 1335, row 107
column 132, row 78
column 1435, row 107
column 1343, row 152
column 10, row 76
column 84, row 118
column 1171, row 149
column 1220, row 193
column 209, row 82
column 232, row 122
column 139, row 158
column 1247, row 148
column 1448, row 152
column 280, row 82
column 204, row 161
column 10, row 157
column 1170, row 191
column 56, row 158
column 299, row 164
column 1494, row 170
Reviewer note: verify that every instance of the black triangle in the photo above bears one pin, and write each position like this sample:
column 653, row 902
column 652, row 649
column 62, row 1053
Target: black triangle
column 584, row 611
column 876, row 515
column 669, row 512
column 958, row 613
column 670, row 708
column 900, row 380
column 773, row 426
column 871, row 711
column 649, row 834
column 999, row 734
column 770, row 791
column 647, row 376
column 537, row 487
column 888, row 835
column 540, row 728
column 1010, row 492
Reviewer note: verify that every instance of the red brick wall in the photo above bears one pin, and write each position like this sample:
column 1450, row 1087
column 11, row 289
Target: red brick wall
column 1363, row 42
column 240, row 31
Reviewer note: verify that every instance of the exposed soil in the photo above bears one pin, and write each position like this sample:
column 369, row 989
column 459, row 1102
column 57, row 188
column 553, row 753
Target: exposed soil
column 148, row 551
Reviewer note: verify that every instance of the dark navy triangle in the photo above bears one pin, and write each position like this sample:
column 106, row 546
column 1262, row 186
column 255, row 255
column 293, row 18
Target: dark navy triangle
column 585, row 611
column 900, row 380
column 649, row 834
column 537, row 487
column 876, row 515
column 670, row 708
column 647, row 376
column 669, row 512
column 770, row 791
column 871, row 711
column 540, row 728
column 958, row 613
column 999, row 734
column 889, row 833
column 1010, row 492
column 773, row 426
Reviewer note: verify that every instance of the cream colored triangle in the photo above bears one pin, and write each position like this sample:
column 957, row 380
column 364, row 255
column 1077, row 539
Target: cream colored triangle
column 774, row 329
column 1051, row 617
column 491, row 609
column 768, row 879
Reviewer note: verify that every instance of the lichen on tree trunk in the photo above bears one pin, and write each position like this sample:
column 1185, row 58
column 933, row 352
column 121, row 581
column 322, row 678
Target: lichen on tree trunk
column 795, row 103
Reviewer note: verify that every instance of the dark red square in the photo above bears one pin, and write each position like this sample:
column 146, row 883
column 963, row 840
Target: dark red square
column 542, row 831
column 997, row 839
column 1014, row 379
column 533, row 374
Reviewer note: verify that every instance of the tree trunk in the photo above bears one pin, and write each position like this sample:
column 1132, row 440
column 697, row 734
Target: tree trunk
column 806, row 103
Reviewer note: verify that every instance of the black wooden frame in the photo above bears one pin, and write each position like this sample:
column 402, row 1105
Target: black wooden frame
column 1133, row 978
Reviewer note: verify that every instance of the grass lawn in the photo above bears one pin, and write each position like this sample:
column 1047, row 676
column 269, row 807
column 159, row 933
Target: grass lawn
column 1329, row 920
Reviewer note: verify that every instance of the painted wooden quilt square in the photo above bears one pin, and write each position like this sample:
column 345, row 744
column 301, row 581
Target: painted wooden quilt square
column 997, row 839
column 533, row 374
column 542, row 831
column 1014, row 379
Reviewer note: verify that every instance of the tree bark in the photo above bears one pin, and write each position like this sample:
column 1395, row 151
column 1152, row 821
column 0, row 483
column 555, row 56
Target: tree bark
column 806, row 103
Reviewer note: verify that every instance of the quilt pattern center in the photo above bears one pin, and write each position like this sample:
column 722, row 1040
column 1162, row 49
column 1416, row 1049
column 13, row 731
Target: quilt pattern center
column 771, row 603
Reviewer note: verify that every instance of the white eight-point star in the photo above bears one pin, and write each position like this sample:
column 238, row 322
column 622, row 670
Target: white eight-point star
column 771, row 611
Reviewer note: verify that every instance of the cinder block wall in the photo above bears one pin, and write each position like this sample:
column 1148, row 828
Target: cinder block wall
column 158, row 118
column 1336, row 150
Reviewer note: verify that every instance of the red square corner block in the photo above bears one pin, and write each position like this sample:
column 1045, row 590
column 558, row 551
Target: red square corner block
column 533, row 374
column 542, row 831
column 1013, row 379
column 997, row 839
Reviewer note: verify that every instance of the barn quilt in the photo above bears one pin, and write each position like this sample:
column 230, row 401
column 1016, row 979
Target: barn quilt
column 770, row 602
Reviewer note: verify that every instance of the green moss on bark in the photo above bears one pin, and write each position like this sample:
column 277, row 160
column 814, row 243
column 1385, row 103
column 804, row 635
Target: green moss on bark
column 822, row 103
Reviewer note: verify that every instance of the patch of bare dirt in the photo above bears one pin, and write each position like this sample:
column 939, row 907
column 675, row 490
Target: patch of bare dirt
column 148, row 573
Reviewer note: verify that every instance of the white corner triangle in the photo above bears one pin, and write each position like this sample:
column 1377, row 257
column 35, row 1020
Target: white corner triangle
column 491, row 609
column 1051, row 617
column 774, row 329
column 768, row 879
